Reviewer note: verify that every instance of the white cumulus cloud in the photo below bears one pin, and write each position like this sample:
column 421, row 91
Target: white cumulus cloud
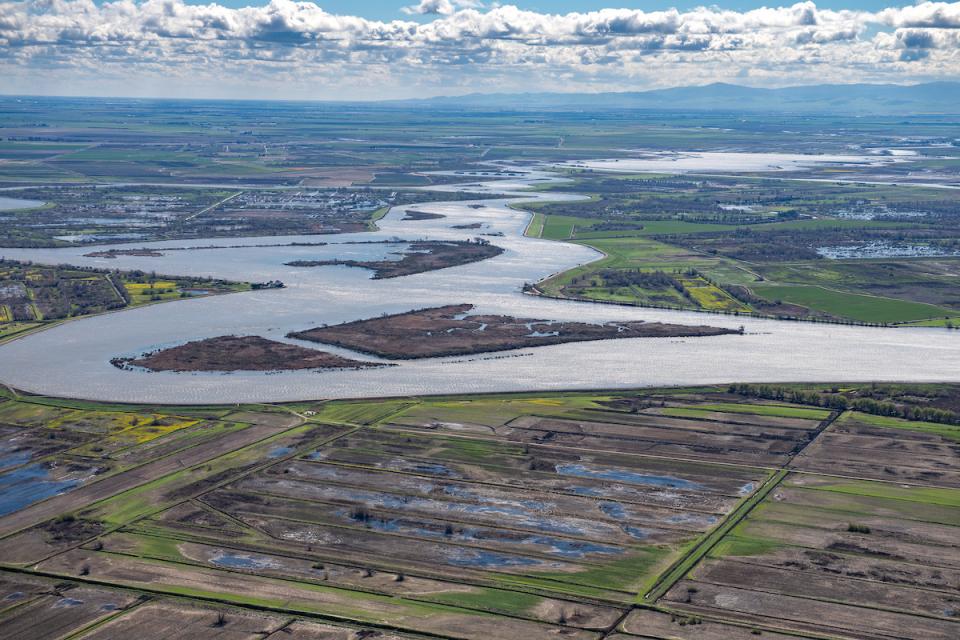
column 300, row 50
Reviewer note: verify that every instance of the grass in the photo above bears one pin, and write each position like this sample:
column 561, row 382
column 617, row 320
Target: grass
column 951, row 322
column 29, row 414
column 535, row 228
column 513, row 603
column 948, row 431
column 359, row 413
column 494, row 411
column 862, row 308
column 710, row 297
column 773, row 410
column 743, row 544
column 924, row 495
column 628, row 574
column 10, row 329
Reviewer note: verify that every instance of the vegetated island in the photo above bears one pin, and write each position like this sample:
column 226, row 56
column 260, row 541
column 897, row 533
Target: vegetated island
column 449, row 331
column 239, row 353
column 426, row 255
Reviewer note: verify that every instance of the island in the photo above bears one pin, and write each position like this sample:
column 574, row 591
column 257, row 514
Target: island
column 450, row 331
column 239, row 353
column 419, row 257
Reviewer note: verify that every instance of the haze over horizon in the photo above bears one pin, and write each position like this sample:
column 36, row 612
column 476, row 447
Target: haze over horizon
column 306, row 50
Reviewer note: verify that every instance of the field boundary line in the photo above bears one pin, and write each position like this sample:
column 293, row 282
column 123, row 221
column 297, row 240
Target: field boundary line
column 685, row 563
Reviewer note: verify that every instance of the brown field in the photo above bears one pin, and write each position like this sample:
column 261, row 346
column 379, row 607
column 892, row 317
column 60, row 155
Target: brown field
column 853, row 448
column 36, row 610
column 656, row 515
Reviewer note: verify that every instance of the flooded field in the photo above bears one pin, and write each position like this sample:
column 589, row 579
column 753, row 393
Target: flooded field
column 12, row 204
column 704, row 162
column 873, row 250
column 484, row 517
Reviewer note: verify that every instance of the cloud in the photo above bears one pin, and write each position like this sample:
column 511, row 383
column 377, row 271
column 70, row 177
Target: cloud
column 301, row 50
column 440, row 7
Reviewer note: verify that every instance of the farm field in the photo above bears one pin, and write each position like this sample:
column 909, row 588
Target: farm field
column 33, row 296
column 872, row 254
column 589, row 515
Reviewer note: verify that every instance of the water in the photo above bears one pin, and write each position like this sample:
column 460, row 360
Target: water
column 73, row 359
column 670, row 162
column 622, row 475
column 24, row 486
column 556, row 546
column 11, row 204
column 242, row 561
column 881, row 249
column 14, row 458
column 486, row 559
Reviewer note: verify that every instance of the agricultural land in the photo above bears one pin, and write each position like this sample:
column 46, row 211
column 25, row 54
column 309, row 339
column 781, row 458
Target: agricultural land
column 778, row 512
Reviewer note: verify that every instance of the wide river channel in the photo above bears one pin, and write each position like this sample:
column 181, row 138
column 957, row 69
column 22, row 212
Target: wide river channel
column 72, row 359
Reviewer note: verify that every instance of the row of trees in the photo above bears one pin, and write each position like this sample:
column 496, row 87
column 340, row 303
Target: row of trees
column 840, row 402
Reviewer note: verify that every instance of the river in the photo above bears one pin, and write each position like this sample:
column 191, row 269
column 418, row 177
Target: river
column 73, row 359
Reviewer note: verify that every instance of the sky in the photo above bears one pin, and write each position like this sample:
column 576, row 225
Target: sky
column 385, row 49
column 391, row 9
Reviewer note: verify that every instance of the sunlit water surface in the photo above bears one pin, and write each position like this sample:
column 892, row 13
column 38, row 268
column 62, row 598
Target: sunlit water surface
column 73, row 359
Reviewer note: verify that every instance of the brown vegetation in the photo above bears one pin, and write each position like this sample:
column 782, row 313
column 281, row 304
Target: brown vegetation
column 448, row 331
column 420, row 257
column 239, row 353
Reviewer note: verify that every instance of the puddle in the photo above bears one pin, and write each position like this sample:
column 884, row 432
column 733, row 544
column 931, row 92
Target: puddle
column 425, row 468
column 279, row 452
column 486, row 559
column 630, row 477
column 67, row 602
column 747, row 488
column 24, row 486
column 690, row 518
column 556, row 546
column 242, row 561
column 15, row 459
column 613, row 509
column 636, row 532
column 574, row 548
column 585, row 491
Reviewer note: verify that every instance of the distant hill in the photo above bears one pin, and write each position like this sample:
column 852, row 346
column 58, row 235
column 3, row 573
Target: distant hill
column 880, row 99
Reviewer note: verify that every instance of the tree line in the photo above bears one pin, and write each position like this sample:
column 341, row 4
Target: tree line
column 840, row 402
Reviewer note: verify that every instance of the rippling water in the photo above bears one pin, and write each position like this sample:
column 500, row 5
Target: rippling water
column 73, row 359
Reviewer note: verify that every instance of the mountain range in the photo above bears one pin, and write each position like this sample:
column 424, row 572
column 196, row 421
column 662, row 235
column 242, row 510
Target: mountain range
column 879, row 99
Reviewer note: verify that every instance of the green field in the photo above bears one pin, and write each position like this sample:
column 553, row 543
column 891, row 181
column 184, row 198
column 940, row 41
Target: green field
column 872, row 309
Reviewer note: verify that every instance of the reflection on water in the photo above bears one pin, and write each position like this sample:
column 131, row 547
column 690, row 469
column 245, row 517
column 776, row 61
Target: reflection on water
column 11, row 204
column 73, row 359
